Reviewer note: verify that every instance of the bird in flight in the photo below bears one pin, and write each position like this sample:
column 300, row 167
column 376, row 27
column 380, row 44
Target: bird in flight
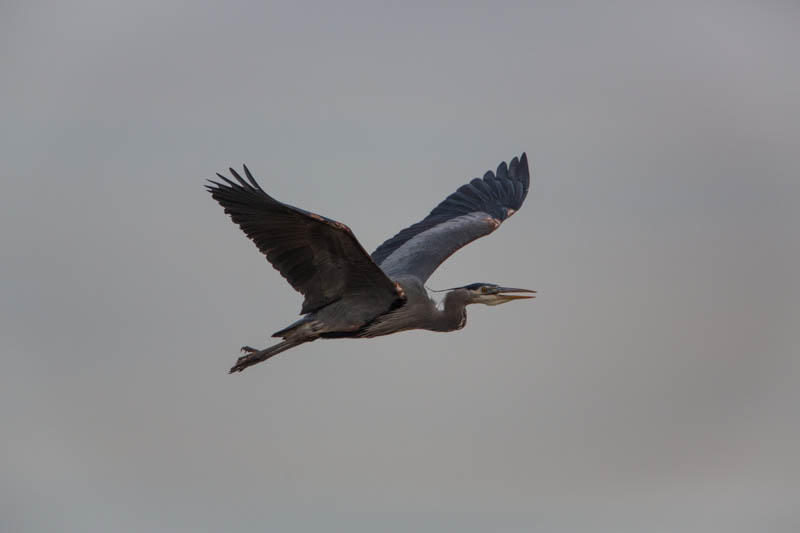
column 350, row 293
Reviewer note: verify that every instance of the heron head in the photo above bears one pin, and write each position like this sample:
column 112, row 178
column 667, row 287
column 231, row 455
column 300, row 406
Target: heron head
column 491, row 294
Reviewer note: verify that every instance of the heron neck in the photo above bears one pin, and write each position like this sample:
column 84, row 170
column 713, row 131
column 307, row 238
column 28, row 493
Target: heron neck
column 453, row 315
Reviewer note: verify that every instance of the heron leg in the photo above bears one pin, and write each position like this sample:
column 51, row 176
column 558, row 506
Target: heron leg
column 253, row 356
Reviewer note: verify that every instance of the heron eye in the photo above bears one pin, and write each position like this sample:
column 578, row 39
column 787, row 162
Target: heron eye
column 484, row 290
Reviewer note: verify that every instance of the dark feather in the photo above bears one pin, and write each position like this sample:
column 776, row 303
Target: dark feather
column 474, row 210
column 319, row 257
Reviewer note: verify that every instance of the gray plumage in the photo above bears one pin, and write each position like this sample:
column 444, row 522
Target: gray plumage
column 349, row 293
column 474, row 210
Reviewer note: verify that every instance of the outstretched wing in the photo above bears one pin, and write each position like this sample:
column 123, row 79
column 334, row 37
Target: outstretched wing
column 319, row 257
column 474, row 210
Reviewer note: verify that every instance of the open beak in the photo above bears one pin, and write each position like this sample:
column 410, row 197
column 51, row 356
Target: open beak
column 515, row 294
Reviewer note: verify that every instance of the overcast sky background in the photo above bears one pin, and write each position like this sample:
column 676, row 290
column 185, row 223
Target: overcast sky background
column 653, row 386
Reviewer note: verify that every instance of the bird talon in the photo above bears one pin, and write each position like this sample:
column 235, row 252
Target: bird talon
column 248, row 349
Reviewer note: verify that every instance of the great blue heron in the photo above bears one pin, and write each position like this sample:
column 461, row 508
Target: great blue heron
column 349, row 293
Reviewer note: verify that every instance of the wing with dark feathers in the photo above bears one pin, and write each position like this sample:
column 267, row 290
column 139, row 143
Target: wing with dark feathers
column 319, row 257
column 474, row 210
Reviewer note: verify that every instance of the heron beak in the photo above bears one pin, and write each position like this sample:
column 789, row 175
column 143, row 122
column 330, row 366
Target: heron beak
column 508, row 297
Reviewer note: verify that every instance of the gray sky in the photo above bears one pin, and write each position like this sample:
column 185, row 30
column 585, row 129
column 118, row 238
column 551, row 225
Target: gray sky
column 652, row 386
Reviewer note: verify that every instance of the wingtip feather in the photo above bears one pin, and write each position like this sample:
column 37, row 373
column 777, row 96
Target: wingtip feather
column 502, row 170
column 226, row 180
column 237, row 176
column 524, row 172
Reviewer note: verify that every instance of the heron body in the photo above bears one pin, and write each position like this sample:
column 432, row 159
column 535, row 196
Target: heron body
column 349, row 293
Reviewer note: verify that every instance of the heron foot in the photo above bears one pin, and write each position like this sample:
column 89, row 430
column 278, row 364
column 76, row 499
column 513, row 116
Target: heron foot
column 245, row 360
column 240, row 362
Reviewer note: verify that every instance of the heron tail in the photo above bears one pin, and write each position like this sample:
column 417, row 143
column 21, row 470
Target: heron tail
column 256, row 356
